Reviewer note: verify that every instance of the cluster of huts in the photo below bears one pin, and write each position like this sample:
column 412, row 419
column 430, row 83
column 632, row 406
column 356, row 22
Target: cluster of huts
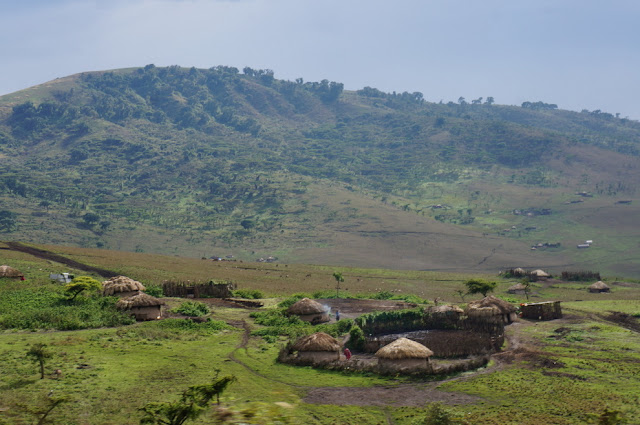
column 142, row 306
column 402, row 355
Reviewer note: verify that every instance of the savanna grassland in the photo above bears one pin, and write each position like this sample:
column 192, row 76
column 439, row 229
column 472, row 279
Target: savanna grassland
column 574, row 370
column 201, row 162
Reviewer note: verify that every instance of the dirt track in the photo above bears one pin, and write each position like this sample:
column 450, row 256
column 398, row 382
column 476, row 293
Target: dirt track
column 48, row 255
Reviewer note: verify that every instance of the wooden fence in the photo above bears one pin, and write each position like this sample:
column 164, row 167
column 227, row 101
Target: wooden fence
column 189, row 289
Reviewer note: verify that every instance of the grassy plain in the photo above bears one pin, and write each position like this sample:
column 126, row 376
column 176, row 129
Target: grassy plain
column 566, row 371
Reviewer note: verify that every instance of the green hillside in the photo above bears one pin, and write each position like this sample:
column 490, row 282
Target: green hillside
column 203, row 162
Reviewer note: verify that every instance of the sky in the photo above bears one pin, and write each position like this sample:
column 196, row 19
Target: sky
column 578, row 54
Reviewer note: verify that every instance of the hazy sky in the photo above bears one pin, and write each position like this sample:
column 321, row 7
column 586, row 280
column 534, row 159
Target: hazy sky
column 579, row 54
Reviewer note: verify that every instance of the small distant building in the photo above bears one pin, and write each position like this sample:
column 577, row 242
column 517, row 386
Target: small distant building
column 309, row 311
column 547, row 310
column 10, row 272
column 583, row 245
column 317, row 348
column 492, row 309
column 518, row 288
column 61, row 277
column 404, row 355
column 599, row 286
column 540, row 274
column 142, row 306
column 122, row 286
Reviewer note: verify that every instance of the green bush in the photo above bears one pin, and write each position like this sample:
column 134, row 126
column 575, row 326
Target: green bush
column 382, row 295
column 292, row 300
column 356, row 338
column 437, row 414
column 250, row 294
column 49, row 308
column 277, row 323
column 193, row 309
column 154, row 290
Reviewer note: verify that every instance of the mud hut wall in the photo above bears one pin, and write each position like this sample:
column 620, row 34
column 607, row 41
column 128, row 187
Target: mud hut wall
column 404, row 365
column 311, row 357
column 197, row 289
column 147, row 312
column 446, row 343
column 314, row 318
column 542, row 311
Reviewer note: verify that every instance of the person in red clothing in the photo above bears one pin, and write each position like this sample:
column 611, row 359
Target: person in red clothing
column 347, row 353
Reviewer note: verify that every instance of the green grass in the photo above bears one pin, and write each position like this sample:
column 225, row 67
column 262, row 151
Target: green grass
column 48, row 308
column 109, row 373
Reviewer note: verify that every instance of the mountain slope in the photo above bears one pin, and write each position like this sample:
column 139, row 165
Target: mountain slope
column 195, row 162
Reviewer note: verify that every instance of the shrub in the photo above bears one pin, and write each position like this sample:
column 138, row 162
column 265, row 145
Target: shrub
column 48, row 308
column 154, row 290
column 437, row 414
column 292, row 300
column 356, row 338
column 250, row 294
column 194, row 309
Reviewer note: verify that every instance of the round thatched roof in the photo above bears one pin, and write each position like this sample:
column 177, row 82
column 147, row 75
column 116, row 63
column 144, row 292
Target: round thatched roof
column 540, row 273
column 502, row 306
column 138, row 300
column 306, row 306
column 119, row 284
column 599, row 286
column 519, row 270
column 403, row 348
column 318, row 341
column 517, row 287
column 6, row 271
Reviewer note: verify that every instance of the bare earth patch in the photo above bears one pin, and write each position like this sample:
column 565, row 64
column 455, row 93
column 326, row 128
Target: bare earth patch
column 403, row 395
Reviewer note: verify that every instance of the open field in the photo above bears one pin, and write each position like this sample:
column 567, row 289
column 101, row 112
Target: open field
column 566, row 371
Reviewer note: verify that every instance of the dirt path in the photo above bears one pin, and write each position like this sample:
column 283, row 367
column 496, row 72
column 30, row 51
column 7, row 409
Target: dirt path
column 48, row 255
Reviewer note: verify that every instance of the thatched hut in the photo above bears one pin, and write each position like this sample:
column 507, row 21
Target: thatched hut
column 122, row 286
column 10, row 272
column 404, row 355
column 599, row 286
column 540, row 274
column 518, row 288
column 446, row 312
column 519, row 272
column 547, row 310
column 309, row 311
column 491, row 309
column 317, row 348
column 142, row 306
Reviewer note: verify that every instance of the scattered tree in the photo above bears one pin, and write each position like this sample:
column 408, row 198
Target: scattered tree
column 338, row 277
column 479, row 286
column 81, row 284
column 7, row 221
column 193, row 403
column 490, row 101
column 39, row 353
column 461, row 293
column 91, row 218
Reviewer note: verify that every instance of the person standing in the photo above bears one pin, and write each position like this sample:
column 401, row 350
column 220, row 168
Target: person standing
column 347, row 353
column 337, row 315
